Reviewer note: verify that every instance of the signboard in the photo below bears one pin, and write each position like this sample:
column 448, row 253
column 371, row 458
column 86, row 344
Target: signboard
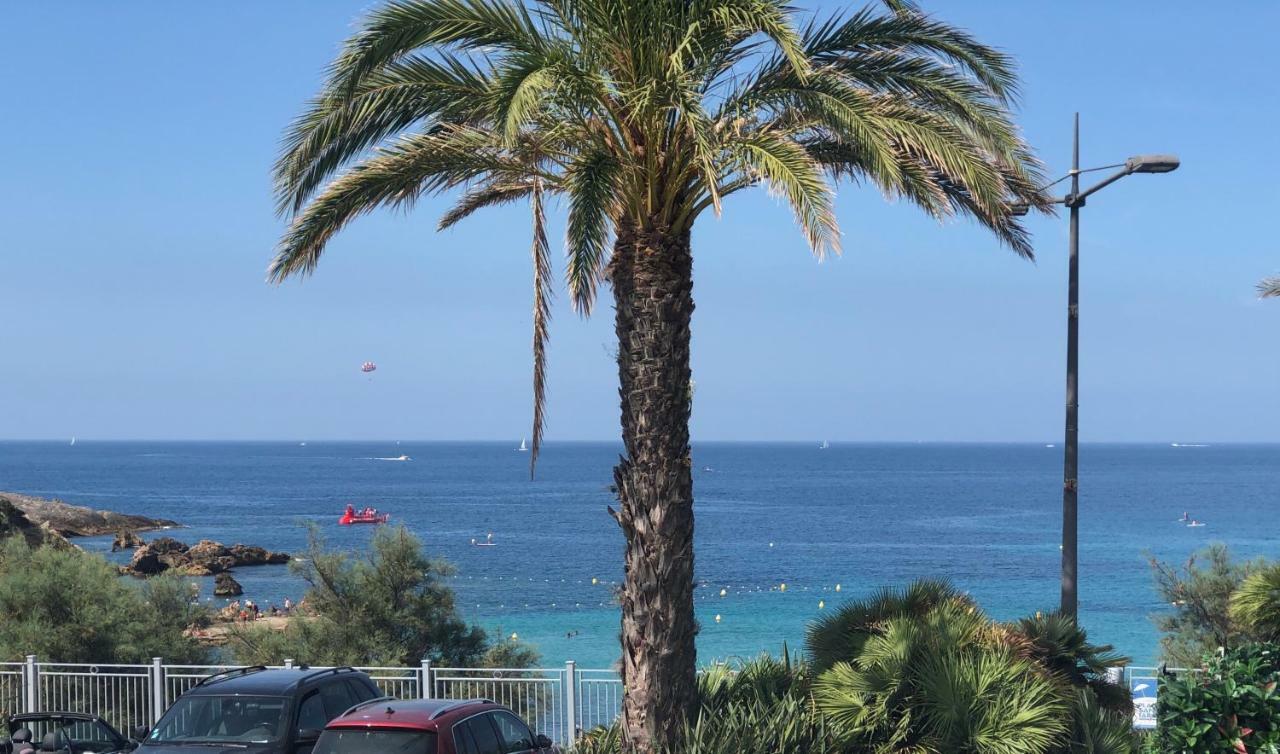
column 1143, row 689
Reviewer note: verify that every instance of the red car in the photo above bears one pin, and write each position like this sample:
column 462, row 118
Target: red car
column 430, row 726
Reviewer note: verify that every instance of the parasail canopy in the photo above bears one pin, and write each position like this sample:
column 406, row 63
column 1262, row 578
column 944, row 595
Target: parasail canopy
column 368, row 366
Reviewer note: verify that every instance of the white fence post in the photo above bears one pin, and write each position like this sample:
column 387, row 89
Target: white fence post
column 288, row 663
column 571, row 701
column 158, row 702
column 424, row 675
column 31, row 689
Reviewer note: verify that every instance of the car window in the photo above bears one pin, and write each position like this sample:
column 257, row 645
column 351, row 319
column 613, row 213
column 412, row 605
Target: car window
column 514, row 733
column 311, row 715
column 362, row 692
column 486, row 738
column 337, row 698
column 210, row 718
column 462, row 741
column 364, row 741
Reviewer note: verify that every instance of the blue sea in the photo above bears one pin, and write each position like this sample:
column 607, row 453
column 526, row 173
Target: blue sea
column 830, row 524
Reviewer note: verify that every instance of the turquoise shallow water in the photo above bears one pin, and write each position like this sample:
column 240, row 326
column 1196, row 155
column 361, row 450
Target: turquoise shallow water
column 858, row 515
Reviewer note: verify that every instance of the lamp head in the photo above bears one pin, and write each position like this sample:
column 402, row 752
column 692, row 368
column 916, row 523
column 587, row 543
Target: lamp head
column 1152, row 163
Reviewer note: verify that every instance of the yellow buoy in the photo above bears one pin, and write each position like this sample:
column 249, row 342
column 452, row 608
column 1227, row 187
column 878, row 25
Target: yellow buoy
column 594, row 580
column 782, row 587
column 821, row 604
column 837, row 587
column 717, row 617
column 723, row 592
column 515, row 636
column 771, row 544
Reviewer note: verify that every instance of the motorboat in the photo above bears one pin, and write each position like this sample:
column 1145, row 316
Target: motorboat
column 364, row 516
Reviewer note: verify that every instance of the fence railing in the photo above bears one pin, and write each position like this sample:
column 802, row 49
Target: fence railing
column 560, row 702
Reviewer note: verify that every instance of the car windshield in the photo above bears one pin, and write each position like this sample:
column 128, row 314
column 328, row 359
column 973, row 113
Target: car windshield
column 211, row 718
column 76, row 735
column 366, row 741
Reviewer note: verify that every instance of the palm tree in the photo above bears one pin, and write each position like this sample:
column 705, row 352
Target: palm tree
column 642, row 116
column 1269, row 288
column 1059, row 645
column 1255, row 604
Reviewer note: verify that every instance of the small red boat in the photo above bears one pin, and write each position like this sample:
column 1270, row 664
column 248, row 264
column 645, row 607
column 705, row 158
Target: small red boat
column 366, row 516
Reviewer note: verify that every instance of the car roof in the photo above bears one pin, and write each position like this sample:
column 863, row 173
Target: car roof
column 413, row 714
column 16, row 720
column 264, row 681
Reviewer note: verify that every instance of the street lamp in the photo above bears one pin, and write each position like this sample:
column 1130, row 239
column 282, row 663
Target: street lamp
column 1155, row 163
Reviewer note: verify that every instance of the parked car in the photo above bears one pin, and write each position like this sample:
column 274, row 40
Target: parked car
column 256, row 710
column 431, row 726
column 65, row 732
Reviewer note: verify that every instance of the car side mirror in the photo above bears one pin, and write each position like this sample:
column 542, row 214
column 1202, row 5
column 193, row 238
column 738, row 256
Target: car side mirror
column 542, row 742
column 140, row 733
column 308, row 735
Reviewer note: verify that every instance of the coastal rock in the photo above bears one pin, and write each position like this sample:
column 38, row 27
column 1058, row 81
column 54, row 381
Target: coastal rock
column 226, row 586
column 80, row 521
column 126, row 540
column 50, row 537
column 145, row 562
column 204, row 558
column 253, row 555
column 15, row 523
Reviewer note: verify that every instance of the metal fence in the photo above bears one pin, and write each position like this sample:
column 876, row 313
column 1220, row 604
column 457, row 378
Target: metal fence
column 560, row 702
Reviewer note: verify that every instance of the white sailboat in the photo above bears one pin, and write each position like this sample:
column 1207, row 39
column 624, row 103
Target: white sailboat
column 524, row 447
column 73, row 441
column 824, row 445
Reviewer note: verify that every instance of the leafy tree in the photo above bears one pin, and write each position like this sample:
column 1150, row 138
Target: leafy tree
column 1199, row 621
column 1269, row 288
column 643, row 115
column 1255, row 604
column 387, row 607
column 70, row 606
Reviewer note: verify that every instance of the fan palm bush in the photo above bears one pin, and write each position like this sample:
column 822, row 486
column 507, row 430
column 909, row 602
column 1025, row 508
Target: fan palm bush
column 642, row 116
column 1058, row 644
column 945, row 681
column 1269, row 288
column 1255, row 604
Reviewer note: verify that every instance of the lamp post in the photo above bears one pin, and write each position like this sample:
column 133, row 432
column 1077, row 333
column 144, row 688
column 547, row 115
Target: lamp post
column 1074, row 200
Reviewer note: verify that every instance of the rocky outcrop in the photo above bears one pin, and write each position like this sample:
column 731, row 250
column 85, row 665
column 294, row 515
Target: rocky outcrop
column 224, row 585
column 79, row 521
column 204, row 558
column 126, row 540
column 14, row 522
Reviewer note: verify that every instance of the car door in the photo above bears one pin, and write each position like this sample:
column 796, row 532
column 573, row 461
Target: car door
column 484, row 735
column 516, row 738
column 312, row 718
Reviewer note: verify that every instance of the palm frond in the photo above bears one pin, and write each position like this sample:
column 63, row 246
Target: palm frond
column 791, row 172
column 339, row 126
column 1269, row 288
column 399, row 27
column 542, row 284
column 590, row 183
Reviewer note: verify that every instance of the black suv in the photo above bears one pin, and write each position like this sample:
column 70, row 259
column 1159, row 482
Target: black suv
column 263, row 711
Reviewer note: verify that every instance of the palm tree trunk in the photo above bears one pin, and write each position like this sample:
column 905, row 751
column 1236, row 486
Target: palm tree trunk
column 652, row 278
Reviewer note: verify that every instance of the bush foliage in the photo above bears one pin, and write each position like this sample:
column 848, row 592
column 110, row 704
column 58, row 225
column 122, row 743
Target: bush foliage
column 71, row 606
column 1232, row 706
column 387, row 606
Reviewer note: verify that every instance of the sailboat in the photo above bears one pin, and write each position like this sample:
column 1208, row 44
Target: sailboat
column 824, row 445
column 524, row 447
column 73, row 441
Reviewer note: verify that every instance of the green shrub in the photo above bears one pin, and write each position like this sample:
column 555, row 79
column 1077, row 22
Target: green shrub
column 1256, row 603
column 72, row 607
column 1199, row 593
column 1233, row 706
column 388, row 606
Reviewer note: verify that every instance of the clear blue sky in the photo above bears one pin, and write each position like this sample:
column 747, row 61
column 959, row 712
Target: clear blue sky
column 136, row 224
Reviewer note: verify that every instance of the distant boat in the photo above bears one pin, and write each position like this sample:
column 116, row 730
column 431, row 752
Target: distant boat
column 524, row 447
column 1050, row 445
column 394, row 458
column 302, row 445
column 1187, row 445
column 824, row 445
column 73, row 441
column 488, row 541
